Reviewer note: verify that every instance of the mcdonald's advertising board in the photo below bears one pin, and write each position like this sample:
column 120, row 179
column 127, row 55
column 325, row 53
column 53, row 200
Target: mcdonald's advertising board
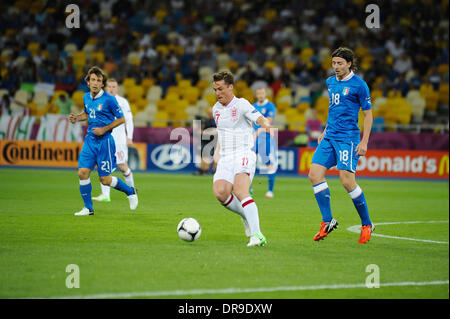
column 390, row 163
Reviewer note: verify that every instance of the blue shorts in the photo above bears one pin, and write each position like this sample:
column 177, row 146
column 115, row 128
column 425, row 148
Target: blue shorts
column 266, row 148
column 340, row 153
column 100, row 152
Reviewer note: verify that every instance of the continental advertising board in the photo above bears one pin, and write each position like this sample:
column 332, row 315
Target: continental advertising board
column 391, row 163
column 57, row 154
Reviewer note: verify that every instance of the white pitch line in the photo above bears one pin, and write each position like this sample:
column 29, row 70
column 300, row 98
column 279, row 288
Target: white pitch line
column 243, row 290
column 356, row 229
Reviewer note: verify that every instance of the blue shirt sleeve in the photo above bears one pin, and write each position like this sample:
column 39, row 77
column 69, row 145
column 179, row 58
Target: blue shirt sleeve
column 272, row 111
column 364, row 97
column 115, row 108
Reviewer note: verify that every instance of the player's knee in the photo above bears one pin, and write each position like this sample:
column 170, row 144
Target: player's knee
column 348, row 182
column 221, row 193
column 105, row 180
column 314, row 176
column 83, row 174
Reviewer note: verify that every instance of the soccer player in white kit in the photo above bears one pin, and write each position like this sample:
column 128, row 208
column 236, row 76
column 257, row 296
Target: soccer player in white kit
column 237, row 161
column 123, row 137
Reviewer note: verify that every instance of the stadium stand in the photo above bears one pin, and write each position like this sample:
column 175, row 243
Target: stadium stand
column 164, row 55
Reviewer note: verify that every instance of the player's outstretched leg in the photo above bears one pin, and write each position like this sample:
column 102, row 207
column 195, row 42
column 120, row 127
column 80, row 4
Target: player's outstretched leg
column 222, row 191
column 105, row 195
column 241, row 187
column 360, row 203
column 120, row 185
column 251, row 211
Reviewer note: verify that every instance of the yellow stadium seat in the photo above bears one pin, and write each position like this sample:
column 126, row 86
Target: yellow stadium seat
column 128, row 82
column 376, row 94
column 211, row 98
column 33, row 47
column 444, row 93
column 147, row 83
column 77, row 98
column 192, row 94
column 134, row 93
column 173, row 90
column 161, row 119
column 283, row 92
column 282, row 106
column 302, row 107
column 306, row 54
column 98, row 56
column 431, row 100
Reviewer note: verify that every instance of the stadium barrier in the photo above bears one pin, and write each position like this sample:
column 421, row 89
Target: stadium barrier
column 382, row 163
column 391, row 163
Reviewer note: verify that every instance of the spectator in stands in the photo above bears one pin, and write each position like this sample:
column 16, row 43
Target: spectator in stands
column 64, row 104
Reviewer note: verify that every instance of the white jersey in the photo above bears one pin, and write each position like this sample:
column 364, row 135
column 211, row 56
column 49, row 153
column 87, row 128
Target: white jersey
column 124, row 131
column 235, row 126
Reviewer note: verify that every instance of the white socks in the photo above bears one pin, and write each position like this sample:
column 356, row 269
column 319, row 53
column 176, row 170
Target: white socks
column 106, row 190
column 233, row 204
column 128, row 176
column 251, row 213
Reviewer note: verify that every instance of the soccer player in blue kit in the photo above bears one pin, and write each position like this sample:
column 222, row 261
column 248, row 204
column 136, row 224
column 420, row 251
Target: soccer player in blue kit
column 340, row 143
column 265, row 143
column 103, row 113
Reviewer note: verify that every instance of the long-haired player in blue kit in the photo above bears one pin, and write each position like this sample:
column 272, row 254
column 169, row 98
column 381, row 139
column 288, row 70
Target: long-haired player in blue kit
column 340, row 143
column 265, row 143
column 104, row 114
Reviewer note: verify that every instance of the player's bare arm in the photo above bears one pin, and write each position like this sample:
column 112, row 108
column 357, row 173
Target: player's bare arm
column 73, row 118
column 101, row 130
column 322, row 135
column 264, row 122
column 361, row 149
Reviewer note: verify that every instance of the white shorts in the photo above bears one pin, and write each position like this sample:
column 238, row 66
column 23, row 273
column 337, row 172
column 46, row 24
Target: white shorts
column 121, row 153
column 228, row 167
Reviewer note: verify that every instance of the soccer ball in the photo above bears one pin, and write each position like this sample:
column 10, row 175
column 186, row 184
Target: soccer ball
column 189, row 229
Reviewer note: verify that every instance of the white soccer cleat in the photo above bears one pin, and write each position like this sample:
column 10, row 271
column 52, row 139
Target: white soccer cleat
column 84, row 212
column 133, row 199
column 102, row 198
column 246, row 227
column 257, row 240
column 269, row 194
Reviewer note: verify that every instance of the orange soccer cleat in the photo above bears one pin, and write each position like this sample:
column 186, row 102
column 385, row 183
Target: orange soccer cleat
column 366, row 231
column 325, row 229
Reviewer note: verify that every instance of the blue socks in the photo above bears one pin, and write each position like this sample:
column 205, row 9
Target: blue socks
column 86, row 193
column 271, row 179
column 120, row 185
column 323, row 196
column 359, row 201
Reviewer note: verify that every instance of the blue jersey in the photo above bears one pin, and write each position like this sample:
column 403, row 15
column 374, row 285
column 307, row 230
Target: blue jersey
column 346, row 98
column 101, row 110
column 267, row 109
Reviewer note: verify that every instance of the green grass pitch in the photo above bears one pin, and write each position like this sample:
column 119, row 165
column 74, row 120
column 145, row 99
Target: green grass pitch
column 123, row 254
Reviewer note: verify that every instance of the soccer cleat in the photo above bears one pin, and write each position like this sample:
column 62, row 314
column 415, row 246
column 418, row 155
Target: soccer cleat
column 269, row 194
column 246, row 227
column 257, row 240
column 366, row 231
column 102, row 198
column 325, row 229
column 84, row 212
column 133, row 199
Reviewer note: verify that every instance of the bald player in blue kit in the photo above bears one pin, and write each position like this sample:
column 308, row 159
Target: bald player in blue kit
column 103, row 113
